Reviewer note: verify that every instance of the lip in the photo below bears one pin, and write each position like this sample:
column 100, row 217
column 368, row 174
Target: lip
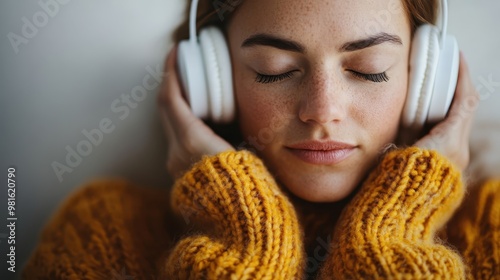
column 322, row 152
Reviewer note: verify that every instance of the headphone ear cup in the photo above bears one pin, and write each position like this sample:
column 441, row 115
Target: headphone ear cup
column 217, row 65
column 423, row 67
column 446, row 80
column 191, row 72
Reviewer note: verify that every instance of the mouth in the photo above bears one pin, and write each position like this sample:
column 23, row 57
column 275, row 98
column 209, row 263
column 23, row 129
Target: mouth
column 322, row 152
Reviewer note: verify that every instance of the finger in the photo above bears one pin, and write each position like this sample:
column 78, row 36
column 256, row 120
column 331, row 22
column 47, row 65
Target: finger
column 206, row 140
column 469, row 97
column 466, row 97
column 171, row 97
column 167, row 126
column 170, row 86
column 179, row 121
column 163, row 98
column 168, row 68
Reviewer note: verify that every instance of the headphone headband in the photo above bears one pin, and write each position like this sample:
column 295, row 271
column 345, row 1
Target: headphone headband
column 192, row 21
column 444, row 20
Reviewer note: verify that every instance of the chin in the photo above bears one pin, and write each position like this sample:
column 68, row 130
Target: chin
column 320, row 188
column 319, row 183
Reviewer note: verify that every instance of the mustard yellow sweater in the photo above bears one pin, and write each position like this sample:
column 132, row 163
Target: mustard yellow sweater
column 228, row 219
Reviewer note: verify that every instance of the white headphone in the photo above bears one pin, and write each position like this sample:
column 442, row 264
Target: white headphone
column 205, row 69
column 433, row 74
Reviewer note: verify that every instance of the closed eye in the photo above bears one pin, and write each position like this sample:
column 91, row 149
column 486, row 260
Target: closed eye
column 376, row 78
column 267, row 79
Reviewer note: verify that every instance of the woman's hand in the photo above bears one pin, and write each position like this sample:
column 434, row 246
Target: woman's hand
column 451, row 136
column 188, row 137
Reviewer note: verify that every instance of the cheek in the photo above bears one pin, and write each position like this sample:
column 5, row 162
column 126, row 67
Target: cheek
column 263, row 112
column 382, row 111
column 257, row 112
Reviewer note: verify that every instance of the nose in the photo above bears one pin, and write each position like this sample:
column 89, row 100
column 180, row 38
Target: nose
column 323, row 100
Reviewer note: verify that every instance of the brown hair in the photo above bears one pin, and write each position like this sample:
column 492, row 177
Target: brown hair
column 210, row 13
column 421, row 12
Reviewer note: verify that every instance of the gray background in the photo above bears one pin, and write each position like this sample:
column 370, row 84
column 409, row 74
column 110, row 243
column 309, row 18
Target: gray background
column 64, row 80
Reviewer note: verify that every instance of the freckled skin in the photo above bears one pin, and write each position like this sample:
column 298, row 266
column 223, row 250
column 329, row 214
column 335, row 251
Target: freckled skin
column 322, row 100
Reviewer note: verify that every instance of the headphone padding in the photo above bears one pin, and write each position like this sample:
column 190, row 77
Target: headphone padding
column 423, row 66
column 190, row 66
column 217, row 64
column 446, row 80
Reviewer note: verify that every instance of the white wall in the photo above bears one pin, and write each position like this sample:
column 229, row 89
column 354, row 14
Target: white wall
column 65, row 80
column 476, row 25
column 67, row 76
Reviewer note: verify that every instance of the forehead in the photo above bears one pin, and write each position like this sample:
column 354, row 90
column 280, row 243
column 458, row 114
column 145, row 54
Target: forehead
column 321, row 20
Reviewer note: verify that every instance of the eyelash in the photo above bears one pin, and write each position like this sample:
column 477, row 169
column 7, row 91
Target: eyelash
column 376, row 78
column 267, row 79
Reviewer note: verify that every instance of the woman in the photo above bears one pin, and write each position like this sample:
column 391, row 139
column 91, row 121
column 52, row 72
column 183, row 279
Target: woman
column 323, row 196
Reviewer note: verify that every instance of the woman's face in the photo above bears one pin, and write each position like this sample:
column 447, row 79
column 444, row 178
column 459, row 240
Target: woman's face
column 320, row 86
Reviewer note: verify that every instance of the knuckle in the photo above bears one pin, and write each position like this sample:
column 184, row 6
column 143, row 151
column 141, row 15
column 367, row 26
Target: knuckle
column 190, row 137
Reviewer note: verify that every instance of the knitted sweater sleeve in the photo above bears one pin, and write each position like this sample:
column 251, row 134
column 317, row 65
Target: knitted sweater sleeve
column 388, row 229
column 476, row 231
column 250, row 229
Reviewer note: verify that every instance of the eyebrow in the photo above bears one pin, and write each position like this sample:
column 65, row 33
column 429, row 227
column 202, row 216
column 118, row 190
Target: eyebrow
column 289, row 45
column 273, row 41
column 371, row 41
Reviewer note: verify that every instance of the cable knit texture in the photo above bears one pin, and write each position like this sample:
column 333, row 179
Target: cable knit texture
column 108, row 229
column 476, row 231
column 228, row 219
column 255, row 230
column 388, row 230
